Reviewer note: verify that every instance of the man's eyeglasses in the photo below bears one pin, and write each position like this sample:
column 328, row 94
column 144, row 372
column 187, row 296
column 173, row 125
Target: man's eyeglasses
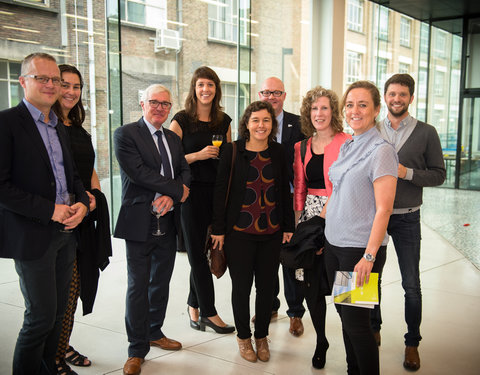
column 267, row 93
column 155, row 103
column 56, row 81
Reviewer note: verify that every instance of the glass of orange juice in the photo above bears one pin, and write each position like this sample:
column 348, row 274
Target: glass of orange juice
column 217, row 140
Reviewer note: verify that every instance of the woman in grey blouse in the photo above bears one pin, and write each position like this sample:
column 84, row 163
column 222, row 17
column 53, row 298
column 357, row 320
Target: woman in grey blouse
column 364, row 179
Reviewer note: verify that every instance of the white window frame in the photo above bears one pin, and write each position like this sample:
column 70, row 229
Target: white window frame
column 222, row 22
column 354, row 66
column 405, row 31
column 42, row 3
column 10, row 81
column 355, row 15
column 403, row 68
column 383, row 22
column 439, row 84
column 382, row 70
column 155, row 13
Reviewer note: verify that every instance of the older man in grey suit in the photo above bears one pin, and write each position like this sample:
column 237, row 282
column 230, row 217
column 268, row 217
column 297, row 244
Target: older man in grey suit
column 155, row 177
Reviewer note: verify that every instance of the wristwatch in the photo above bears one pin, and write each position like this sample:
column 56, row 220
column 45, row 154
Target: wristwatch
column 369, row 257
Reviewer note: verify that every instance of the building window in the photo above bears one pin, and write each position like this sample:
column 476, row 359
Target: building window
column 422, row 83
column 382, row 66
column 229, row 97
column 424, row 35
column 405, row 30
column 151, row 13
column 36, row 2
column 10, row 90
column 354, row 65
column 222, row 21
column 403, row 68
column 355, row 15
column 440, row 44
column 382, row 23
column 439, row 83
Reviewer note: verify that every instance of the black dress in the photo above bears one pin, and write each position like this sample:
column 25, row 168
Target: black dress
column 196, row 212
column 94, row 243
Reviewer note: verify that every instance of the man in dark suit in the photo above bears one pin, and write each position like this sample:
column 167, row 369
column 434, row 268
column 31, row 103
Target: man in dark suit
column 36, row 217
column 155, row 176
column 289, row 133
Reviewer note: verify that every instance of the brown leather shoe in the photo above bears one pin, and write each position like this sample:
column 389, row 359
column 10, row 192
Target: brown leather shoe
column 166, row 344
column 133, row 366
column 296, row 326
column 412, row 359
column 378, row 337
column 272, row 317
column 263, row 352
column 246, row 349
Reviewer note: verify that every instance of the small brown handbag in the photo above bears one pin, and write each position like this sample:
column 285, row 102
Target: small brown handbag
column 216, row 257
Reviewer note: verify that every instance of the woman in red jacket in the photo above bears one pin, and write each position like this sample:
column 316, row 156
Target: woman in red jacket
column 322, row 124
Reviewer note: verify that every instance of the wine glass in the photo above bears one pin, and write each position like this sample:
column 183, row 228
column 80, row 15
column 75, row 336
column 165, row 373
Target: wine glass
column 69, row 200
column 157, row 214
column 217, row 140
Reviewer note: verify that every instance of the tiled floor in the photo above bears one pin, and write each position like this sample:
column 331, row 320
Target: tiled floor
column 450, row 328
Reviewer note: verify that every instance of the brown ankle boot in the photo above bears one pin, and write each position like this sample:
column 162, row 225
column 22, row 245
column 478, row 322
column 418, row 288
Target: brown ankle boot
column 263, row 353
column 246, row 349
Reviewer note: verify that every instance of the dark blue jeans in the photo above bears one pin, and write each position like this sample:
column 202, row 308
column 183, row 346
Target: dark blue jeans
column 150, row 266
column 294, row 293
column 45, row 284
column 406, row 234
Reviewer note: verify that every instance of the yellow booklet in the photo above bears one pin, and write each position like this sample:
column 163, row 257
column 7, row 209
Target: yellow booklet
column 345, row 291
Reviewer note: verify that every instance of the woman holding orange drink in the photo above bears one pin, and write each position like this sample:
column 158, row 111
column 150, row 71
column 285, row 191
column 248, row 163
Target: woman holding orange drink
column 203, row 127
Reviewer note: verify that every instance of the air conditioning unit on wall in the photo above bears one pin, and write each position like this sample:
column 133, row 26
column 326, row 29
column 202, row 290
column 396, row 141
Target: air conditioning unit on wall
column 166, row 40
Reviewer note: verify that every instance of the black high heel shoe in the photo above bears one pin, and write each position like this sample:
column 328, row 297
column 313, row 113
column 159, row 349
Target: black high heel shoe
column 205, row 322
column 195, row 325
column 320, row 357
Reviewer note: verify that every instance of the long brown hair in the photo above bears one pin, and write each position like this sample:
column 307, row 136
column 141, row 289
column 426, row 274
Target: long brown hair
column 77, row 113
column 216, row 114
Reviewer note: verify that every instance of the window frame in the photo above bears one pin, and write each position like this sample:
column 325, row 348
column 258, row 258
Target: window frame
column 355, row 15
column 405, row 31
column 354, row 66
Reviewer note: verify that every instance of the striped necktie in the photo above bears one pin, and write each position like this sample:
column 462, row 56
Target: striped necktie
column 167, row 171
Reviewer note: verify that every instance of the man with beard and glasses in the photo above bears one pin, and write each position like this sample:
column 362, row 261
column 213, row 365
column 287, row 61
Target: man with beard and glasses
column 420, row 164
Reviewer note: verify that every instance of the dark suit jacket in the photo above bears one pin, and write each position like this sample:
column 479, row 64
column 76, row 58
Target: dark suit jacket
column 140, row 165
column 27, row 185
column 225, row 218
column 291, row 134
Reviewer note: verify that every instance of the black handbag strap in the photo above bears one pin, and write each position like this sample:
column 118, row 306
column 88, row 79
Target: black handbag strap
column 234, row 156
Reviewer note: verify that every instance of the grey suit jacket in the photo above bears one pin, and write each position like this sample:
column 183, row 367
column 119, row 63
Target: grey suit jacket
column 140, row 165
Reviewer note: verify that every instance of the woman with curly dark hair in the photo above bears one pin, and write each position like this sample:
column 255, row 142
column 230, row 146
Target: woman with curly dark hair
column 202, row 119
column 257, row 218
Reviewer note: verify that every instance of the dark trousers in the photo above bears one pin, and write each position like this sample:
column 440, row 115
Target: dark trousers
column 196, row 217
column 44, row 284
column 360, row 345
column 249, row 257
column 406, row 234
column 315, row 289
column 150, row 266
column 294, row 293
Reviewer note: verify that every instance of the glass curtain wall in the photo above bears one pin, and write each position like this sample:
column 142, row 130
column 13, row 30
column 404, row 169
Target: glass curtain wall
column 381, row 42
column 122, row 46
